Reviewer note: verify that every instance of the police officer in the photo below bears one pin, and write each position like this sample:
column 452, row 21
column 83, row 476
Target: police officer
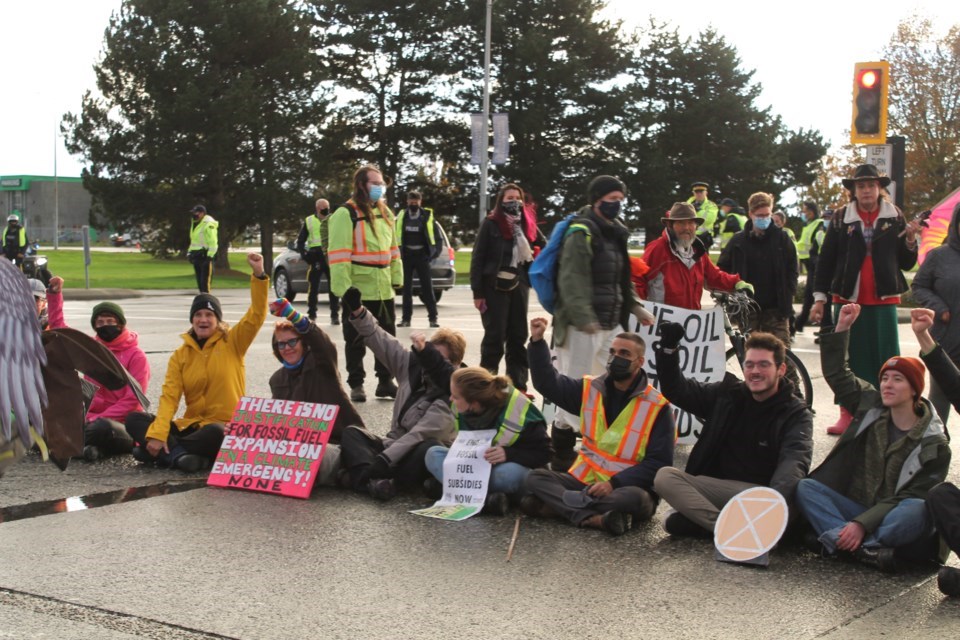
column 313, row 244
column 203, row 246
column 14, row 240
column 417, row 236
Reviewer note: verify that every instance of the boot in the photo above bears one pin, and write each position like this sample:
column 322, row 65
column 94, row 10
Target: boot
column 564, row 442
column 386, row 389
column 841, row 425
column 497, row 504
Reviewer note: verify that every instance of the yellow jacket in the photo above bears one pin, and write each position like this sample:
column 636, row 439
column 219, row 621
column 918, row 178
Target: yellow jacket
column 210, row 379
column 363, row 259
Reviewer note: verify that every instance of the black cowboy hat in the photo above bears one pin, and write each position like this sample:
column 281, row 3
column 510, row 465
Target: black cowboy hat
column 865, row 172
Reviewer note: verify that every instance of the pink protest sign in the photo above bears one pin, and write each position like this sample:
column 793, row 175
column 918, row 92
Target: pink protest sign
column 274, row 446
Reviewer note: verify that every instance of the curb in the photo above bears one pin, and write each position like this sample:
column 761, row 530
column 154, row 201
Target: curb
column 101, row 294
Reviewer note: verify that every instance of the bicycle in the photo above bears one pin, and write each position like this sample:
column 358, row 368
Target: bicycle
column 737, row 308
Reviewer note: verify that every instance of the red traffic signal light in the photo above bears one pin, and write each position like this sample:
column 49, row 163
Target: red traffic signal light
column 870, row 82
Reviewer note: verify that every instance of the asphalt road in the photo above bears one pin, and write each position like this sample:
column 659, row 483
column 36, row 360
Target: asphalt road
column 212, row 563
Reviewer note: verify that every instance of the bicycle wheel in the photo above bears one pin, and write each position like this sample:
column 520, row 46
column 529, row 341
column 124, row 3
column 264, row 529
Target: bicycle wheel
column 806, row 385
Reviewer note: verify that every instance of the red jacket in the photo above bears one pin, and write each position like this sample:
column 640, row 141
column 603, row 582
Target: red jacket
column 670, row 281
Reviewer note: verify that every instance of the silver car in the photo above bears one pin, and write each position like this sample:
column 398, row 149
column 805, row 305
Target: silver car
column 290, row 272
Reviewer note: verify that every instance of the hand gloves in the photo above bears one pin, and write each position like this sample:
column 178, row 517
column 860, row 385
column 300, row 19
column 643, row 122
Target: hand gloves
column 740, row 286
column 283, row 309
column 670, row 335
column 351, row 299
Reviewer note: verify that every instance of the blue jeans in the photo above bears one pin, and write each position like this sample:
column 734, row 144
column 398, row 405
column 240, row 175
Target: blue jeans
column 829, row 512
column 506, row 477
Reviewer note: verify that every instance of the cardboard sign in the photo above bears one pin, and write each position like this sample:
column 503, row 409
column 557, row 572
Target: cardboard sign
column 751, row 524
column 274, row 446
column 466, row 477
column 702, row 354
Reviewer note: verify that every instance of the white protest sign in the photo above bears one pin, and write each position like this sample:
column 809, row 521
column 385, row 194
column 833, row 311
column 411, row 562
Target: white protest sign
column 702, row 354
column 466, row 476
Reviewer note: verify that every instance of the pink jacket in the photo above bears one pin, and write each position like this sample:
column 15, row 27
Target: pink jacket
column 114, row 405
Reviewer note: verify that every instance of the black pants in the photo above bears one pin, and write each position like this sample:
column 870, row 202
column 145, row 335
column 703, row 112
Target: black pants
column 810, row 265
column 202, row 441
column 358, row 448
column 419, row 262
column 505, row 330
column 355, row 350
column 203, row 269
column 107, row 435
column 943, row 502
column 318, row 266
column 550, row 486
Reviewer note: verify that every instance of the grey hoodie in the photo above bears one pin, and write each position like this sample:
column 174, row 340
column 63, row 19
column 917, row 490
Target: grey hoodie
column 937, row 286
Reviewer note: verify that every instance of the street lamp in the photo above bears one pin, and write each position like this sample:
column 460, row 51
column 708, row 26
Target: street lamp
column 56, row 196
column 485, row 160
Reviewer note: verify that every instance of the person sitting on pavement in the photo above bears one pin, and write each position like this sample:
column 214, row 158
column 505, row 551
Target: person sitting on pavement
column 679, row 264
column 610, row 485
column 309, row 373
column 103, row 431
column 421, row 414
column 207, row 371
column 482, row 400
column 943, row 501
column 756, row 432
column 867, row 497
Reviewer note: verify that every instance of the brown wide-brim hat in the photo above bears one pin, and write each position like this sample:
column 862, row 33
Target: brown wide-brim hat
column 681, row 211
column 862, row 173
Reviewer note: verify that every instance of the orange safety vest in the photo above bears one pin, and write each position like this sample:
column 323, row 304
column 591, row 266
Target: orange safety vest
column 608, row 450
column 365, row 252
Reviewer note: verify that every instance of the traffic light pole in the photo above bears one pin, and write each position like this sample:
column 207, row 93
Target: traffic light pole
column 899, row 147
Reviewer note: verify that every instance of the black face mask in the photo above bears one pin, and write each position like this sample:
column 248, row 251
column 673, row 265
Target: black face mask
column 109, row 332
column 511, row 208
column 324, row 212
column 610, row 210
column 618, row 368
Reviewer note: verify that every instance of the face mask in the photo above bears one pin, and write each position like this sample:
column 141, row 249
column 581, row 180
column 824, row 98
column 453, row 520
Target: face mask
column 762, row 223
column 511, row 208
column 610, row 210
column 109, row 332
column 324, row 212
column 618, row 368
column 376, row 192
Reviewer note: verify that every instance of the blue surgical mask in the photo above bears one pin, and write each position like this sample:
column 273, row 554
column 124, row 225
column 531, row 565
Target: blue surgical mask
column 376, row 192
column 762, row 223
column 610, row 210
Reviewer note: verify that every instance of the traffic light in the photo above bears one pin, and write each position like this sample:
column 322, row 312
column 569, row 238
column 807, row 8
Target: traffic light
column 870, row 82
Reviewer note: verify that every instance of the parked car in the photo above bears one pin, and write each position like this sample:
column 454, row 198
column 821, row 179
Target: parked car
column 637, row 239
column 290, row 272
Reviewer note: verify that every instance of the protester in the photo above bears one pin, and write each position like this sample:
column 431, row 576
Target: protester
column 756, row 432
column 203, row 246
column 207, row 371
column 628, row 435
column 595, row 297
column 482, row 400
column 936, row 286
column 679, row 265
column 867, row 245
column 421, row 413
column 313, row 245
column 103, row 431
column 364, row 254
column 419, row 239
column 808, row 251
column 506, row 243
column 867, row 497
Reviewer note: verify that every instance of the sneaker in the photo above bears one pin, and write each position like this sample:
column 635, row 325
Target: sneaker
column 434, row 324
column 679, row 525
column 880, row 557
column 382, row 489
column 92, row 453
column 534, row 507
column 432, row 488
column 191, row 463
column 403, row 323
column 497, row 504
column 386, row 389
column 948, row 579
column 357, row 394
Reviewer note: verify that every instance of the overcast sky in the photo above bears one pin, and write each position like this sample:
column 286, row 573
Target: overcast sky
column 803, row 59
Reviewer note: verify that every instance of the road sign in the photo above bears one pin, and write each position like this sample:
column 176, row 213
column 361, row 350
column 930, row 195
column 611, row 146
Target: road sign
column 881, row 156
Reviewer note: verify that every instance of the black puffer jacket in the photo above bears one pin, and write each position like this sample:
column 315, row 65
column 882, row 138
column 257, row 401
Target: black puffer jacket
column 780, row 255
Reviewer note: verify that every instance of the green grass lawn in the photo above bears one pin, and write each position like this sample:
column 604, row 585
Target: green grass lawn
column 140, row 271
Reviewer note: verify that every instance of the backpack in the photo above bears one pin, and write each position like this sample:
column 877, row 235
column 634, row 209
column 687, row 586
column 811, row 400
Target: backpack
column 543, row 270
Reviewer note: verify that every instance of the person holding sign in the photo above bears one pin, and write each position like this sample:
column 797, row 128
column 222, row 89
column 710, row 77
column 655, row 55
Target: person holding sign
column 421, row 414
column 756, row 432
column 610, row 485
column 484, row 401
column 207, row 371
column 868, row 496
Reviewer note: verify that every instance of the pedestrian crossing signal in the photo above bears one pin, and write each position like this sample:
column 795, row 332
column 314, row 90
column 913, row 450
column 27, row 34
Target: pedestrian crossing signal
column 870, row 82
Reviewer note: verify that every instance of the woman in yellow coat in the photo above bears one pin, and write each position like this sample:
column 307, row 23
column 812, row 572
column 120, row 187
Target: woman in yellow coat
column 207, row 371
column 364, row 254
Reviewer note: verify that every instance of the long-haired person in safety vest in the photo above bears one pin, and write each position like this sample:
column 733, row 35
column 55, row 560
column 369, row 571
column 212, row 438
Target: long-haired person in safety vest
column 364, row 254
column 628, row 435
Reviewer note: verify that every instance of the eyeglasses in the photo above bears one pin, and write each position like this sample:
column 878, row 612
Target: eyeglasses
column 287, row 344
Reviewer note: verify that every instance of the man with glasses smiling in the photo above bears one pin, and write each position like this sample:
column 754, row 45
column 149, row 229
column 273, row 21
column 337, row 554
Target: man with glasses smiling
column 756, row 432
